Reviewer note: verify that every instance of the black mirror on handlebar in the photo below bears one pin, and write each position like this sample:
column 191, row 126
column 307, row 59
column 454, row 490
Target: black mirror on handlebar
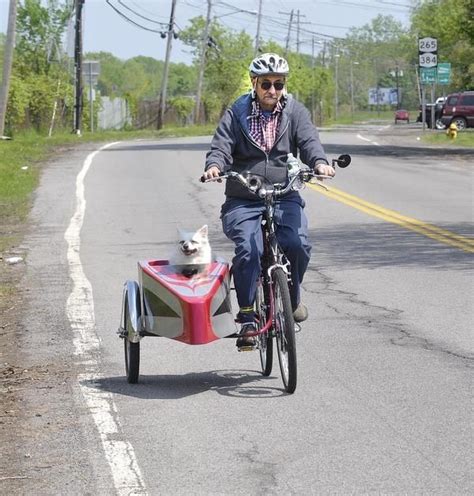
column 342, row 161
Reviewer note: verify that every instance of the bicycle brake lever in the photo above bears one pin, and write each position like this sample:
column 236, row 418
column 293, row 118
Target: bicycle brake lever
column 319, row 181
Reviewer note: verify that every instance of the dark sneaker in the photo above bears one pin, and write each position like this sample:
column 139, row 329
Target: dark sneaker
column 244, row 341
column 245, row 317
column 301, row 313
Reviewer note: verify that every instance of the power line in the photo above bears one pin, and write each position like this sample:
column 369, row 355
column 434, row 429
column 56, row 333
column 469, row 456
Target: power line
column 140, row 15
column 140, row 7
column 367, row 6
column 121, row 14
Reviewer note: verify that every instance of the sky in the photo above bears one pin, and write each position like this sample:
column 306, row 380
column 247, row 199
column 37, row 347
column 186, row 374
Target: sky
column 106, row 30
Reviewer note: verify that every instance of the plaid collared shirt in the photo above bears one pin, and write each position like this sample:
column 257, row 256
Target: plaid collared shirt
column 264, row 128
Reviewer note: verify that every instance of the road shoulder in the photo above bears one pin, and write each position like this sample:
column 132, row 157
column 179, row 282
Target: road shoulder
column 49, row 441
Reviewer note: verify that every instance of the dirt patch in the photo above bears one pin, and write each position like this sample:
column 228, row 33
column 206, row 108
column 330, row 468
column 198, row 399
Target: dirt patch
column 12, row 377
column 27, row 427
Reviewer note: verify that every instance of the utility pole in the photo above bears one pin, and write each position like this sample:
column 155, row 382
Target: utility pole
column 205, row 38
column 353, row 63
column 397, row 71
column 287, row 46
column 298, row 31
column 313, row 111
column 7, row 63
column 78, row 68
column 336, row 94
column 298, row 28
column 164, row 83
column 259, row 18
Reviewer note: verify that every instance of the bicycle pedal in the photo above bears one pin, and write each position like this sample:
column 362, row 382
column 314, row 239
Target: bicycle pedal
column 246, row 348
column 297, row 328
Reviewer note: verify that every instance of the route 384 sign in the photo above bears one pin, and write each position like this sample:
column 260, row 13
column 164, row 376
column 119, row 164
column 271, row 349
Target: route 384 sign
column 428, row 52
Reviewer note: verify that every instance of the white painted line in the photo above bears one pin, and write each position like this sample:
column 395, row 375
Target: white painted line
column 367, row 139
column 364, row 139
column 80, row 311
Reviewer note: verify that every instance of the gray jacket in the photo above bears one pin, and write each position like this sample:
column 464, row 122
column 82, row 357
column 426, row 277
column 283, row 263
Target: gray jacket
column 233, row 148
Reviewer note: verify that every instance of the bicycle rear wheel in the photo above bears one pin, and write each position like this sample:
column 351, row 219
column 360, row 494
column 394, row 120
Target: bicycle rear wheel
column 284, row 330
column 265, row 340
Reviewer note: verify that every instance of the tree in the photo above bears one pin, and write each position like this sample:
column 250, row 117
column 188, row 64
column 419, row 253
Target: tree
column 110, row 79
column 183, row 107
column 39, row 73
column 7, row 63
column 383, row 51
column 39, row 32
column 139, row 78
column 453, row 25
column 227, row 59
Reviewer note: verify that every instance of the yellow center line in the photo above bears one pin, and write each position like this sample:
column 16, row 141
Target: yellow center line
column 442, row 235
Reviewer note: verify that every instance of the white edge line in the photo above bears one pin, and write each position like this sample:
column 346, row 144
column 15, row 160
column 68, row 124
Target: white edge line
column 363, row 139
column 367, row 139
column 120, row 455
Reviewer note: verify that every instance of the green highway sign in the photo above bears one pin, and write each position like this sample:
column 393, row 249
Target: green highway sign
column 444, row 73
column 428, row 75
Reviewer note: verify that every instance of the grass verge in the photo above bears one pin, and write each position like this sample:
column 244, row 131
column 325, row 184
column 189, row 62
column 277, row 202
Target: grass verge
column 464, row 138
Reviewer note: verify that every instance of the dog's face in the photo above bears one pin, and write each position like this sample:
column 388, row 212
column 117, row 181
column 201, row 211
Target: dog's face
column 192, row 243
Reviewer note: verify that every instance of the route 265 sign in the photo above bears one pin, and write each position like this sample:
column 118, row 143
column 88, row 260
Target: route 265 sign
column 428, row 52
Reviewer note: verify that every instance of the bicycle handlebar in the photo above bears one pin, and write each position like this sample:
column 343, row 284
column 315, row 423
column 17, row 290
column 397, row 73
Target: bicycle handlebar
column 305, row 174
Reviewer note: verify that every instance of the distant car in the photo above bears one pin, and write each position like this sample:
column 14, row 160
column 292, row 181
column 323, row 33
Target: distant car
column 438, row 112
column 459, row 109
column 402, row 115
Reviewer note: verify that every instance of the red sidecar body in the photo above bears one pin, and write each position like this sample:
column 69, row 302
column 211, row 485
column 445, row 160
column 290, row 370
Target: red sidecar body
column 193, row 309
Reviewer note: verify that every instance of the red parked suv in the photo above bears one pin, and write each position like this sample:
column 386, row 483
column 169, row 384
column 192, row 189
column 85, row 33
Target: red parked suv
column 459, row 109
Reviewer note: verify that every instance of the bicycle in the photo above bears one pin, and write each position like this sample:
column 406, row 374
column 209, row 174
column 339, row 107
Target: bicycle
column 273, row 307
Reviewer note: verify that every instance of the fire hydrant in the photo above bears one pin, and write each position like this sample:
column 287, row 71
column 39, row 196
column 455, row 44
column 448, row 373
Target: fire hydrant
column 452, row 131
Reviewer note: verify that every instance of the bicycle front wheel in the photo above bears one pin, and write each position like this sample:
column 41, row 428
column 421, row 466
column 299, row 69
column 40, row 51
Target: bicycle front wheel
column 284, row 330
column 265, row 340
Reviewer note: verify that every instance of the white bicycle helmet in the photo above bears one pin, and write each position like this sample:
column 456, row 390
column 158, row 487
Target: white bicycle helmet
column 269, row 64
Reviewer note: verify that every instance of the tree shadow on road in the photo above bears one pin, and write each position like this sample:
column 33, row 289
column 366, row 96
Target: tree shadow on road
column 156, row 146
column 397, row 151
column 378, row 245
column 331, row 149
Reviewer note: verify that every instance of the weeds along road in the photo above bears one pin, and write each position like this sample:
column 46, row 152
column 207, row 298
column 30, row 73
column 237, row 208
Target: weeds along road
column 382, row 404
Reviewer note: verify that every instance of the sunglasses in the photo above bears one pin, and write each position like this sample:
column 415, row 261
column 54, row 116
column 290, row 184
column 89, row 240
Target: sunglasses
column 266, row 85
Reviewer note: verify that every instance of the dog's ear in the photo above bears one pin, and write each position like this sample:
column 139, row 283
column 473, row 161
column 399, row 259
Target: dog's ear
column 203, row 231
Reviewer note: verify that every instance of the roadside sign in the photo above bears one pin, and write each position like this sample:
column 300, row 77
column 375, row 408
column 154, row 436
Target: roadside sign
column 444, row 73
column 428, row 52
column 427, row 45
column 428, row 60
column 428, row 75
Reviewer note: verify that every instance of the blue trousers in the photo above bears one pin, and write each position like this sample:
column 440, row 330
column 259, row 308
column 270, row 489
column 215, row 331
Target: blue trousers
column 241, row 222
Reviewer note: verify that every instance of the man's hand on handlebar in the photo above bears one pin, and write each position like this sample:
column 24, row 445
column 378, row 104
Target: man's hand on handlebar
column 212, row 173
column 325, row 170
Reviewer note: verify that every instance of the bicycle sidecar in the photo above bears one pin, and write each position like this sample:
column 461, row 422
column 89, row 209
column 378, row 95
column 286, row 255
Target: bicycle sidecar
column 194, row 307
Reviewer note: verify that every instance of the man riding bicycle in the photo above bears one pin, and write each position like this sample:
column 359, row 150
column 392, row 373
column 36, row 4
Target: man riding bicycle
column 256, row 134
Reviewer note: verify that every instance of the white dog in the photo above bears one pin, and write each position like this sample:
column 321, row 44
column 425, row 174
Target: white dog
column 193, row 250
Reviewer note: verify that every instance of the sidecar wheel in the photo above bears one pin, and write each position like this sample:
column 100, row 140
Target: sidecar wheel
column 132, row 360
column 131, row 349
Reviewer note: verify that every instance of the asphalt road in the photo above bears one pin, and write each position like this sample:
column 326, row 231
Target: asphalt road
column 384, row 361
